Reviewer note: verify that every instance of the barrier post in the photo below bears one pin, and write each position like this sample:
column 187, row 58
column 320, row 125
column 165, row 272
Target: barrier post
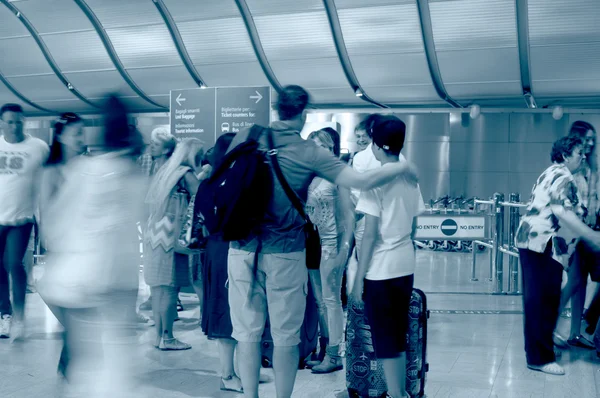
column 513, row 225
column 498, row 242
column 474, row 262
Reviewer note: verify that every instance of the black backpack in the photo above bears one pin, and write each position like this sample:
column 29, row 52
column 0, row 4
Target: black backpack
column 233, row 201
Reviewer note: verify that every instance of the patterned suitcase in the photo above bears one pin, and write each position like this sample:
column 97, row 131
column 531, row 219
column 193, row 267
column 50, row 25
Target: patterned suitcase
column 364, row 373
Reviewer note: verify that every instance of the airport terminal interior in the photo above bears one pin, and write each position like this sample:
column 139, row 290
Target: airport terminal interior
column 484, row 87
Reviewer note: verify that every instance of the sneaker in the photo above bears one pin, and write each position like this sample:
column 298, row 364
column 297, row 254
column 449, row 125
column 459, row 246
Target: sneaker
column 141, row 318
column 5, row 322
column 549, row 368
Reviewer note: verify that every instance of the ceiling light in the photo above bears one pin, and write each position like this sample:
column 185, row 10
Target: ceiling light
column 557, row 112
column 475, row 111
column 530, row 100
column 358, row 92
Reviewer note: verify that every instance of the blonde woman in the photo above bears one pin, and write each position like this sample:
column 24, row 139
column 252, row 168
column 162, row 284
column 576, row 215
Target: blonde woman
column 165, row 271
column 328, row 206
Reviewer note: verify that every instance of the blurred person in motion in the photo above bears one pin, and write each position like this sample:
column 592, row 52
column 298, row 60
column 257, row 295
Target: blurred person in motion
column 586, row 180
column 89, row 224
column 329, row 208
column 166, row 270
column 546, row 239
column 21, row 159
column 387, row 263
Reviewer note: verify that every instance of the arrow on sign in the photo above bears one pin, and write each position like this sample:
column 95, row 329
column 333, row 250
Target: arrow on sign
column 258, row 97
column 179, row 99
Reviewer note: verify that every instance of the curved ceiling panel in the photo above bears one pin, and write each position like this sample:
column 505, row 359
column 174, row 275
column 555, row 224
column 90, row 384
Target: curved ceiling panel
column 269, row 7
column 143, row 44
column 188, row 10
column 312, row 60
column 22, row 56
column 218, row 41
column 565, row 42
column 97, row 84
column 471, row 36
column 78, row 51
column 10, row 26
column 410, row 94
column 6, row 96
column 386, row 49
column 46, row 90
column 178, row 79
column 219, row 47
column 55, row 16
column 120, row 13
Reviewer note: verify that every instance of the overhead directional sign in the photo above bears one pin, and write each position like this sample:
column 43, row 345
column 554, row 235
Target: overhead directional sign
column 208, row 113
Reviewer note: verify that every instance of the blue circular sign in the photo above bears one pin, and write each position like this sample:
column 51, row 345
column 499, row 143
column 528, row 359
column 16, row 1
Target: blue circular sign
column 449, row 227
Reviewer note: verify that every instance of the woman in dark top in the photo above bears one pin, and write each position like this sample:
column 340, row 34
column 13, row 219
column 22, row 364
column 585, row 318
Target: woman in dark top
column 216, row 321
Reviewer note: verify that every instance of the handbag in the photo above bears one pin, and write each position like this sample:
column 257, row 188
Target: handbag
column 185, row 242
column 311, row 231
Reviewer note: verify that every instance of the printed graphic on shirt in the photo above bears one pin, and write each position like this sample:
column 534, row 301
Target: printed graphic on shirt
column 12, row 162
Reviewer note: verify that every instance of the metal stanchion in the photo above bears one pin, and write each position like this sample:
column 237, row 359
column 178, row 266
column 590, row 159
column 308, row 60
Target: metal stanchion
column 498, row 242
column 513, row 264
column 476, row 203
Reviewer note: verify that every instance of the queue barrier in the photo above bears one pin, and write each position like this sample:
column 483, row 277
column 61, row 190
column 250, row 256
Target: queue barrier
column 496, row 243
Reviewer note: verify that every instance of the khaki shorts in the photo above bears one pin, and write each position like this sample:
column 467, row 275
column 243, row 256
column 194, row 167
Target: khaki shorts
column 280, row 287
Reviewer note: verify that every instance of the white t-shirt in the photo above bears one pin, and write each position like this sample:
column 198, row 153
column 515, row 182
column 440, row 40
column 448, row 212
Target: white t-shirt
column 396, row 205
column 20, row 165
column 365, row 161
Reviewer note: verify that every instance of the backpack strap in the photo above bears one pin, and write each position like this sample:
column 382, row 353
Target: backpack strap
column 289, row 191
column 255, row 132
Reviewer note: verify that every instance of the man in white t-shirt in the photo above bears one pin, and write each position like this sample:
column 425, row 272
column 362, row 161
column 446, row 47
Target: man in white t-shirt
column 21, row 161
column 387, row 262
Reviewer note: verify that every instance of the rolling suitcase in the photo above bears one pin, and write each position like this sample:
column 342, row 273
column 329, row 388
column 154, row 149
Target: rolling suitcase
column 364, row 373
column 309, row 334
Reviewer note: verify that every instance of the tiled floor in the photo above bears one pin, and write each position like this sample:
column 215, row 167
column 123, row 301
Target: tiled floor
column 475, row 349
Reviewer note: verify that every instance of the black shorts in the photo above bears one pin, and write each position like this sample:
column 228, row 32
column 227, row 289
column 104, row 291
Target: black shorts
column 386, row 307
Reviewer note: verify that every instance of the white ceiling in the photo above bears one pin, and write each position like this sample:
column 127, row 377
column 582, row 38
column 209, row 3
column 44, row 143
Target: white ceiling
column 475, row 41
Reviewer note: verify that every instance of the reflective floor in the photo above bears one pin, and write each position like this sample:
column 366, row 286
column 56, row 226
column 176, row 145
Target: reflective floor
column 475, row 349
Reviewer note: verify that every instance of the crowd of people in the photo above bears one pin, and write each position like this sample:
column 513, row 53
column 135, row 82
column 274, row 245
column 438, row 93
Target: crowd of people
column 87, row 202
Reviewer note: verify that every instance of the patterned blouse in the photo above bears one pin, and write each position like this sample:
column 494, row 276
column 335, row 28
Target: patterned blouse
column 585, row 180
column 555, row 187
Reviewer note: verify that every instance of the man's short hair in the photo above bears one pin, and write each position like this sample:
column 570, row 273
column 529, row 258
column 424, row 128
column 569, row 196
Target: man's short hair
column 16, row 108
column 292, row 101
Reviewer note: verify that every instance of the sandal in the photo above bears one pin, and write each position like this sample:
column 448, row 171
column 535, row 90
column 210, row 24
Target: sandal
column 232, row 383
column 173, row 345
column 581, row 342
column 550, row 368
column 179, row 306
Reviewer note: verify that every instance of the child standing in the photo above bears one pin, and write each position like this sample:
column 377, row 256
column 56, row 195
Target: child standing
column 387, row 263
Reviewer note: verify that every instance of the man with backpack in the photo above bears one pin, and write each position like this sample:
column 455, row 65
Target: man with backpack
column 267, row 269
